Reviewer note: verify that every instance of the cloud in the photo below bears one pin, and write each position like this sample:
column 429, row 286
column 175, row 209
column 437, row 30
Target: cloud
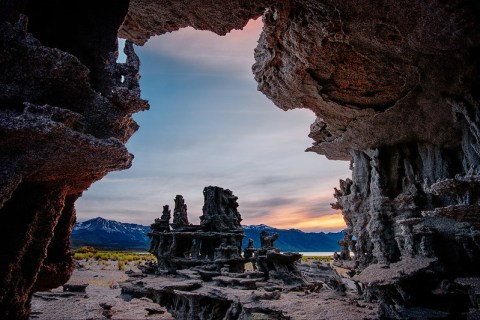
column 231, row 53
column 271, row 202
column 300, row 218
column 309, row 212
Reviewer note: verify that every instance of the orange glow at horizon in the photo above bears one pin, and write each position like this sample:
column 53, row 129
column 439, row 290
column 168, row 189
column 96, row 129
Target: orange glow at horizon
column 331, row 221
column 303, row 215
column 328, row 222
column 300, row 216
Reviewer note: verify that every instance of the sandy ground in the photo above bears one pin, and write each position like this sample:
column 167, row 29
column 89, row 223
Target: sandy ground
column 101, row 300
column 265, row 305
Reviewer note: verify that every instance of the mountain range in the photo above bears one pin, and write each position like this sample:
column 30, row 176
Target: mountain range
column 295, row 240
column 109, row 234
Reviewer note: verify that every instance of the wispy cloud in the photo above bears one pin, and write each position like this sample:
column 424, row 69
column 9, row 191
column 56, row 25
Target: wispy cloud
column 310, row 212
column 232, row 53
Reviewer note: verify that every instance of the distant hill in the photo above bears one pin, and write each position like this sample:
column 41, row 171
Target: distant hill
column 109, row 234
column 295, row 240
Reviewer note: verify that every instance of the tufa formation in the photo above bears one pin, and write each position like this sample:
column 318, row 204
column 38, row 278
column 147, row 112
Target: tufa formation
column 212, row 245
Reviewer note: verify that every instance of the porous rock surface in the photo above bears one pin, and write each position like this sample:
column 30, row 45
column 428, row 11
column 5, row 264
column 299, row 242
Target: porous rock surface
column 147, row 18
column 101, row 299
column 65, row 115
column 374, row 74
column 198, row 300
column 393, row 84
column 214, row 244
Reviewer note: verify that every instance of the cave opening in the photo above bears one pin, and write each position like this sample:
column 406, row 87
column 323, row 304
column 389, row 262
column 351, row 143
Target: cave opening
column 208, row 125
column 392, row 86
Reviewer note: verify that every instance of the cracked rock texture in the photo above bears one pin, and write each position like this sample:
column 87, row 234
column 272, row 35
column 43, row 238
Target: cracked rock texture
column 64, row 118
column 374, row 73
column 229, row 298
column 147, row 18
column 393, row 85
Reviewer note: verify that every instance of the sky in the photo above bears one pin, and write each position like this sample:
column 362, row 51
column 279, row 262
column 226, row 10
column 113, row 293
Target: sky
column 208, row 125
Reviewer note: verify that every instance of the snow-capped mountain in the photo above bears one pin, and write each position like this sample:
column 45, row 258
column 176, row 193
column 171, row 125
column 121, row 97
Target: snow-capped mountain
column 295, row 240
column 102, row 233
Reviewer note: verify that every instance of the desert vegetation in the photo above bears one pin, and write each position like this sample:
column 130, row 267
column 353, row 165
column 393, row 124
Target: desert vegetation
column 317, row 258
column 122, row 257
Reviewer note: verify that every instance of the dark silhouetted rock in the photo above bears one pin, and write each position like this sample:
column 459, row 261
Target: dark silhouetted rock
column 180, row 215
column 267, row 240
column 249, row 250
column 276, row 265
column 162, row 224
column 213, row 245
column 70, row 287
column 220, row 210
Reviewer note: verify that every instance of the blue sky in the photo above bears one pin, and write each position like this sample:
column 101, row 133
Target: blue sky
column 208, row 125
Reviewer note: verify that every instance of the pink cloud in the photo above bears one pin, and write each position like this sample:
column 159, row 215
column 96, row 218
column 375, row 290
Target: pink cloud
column 230, row 53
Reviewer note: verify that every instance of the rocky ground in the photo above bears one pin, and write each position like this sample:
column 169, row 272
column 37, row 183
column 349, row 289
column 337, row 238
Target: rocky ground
column 103, row 299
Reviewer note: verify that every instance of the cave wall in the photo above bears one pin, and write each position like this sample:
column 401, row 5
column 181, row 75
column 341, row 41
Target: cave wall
column 363, row 66
column 65, row 115
column 412, row 215
column 393, row 85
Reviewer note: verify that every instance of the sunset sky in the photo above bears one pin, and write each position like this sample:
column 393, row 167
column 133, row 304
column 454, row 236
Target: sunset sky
column 208, row 125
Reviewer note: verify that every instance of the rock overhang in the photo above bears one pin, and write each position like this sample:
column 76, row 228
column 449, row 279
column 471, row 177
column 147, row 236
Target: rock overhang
column 373, row 75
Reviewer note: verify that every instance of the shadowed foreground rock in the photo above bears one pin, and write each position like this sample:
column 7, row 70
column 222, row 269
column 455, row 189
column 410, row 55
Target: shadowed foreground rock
column 393, row 85
column 64, row 117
